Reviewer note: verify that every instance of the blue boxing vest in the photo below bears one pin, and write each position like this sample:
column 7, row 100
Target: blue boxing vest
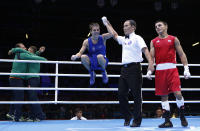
column 94, row 50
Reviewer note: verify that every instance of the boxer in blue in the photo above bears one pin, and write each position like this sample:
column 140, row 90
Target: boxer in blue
column 96, row 57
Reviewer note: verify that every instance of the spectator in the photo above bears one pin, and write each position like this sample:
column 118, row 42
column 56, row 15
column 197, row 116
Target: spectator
column 78, row 113
column 159, row 113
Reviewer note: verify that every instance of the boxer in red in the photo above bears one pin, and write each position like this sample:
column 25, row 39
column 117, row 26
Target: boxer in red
column 163, row 50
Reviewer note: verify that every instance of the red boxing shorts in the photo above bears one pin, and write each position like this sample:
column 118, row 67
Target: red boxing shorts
column 167, row 81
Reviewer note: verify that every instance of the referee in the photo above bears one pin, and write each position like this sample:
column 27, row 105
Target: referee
column 131, row 72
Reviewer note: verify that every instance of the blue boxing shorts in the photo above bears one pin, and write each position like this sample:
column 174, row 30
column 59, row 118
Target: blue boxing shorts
column 94, row 65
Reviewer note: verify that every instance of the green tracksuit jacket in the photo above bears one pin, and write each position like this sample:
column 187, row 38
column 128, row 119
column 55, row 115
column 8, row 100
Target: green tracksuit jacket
column 19, row 67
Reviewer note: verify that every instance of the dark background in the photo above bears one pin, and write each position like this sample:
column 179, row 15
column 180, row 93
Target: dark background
column 62, row 25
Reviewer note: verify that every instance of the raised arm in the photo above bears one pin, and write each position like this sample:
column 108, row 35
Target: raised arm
column 109, row 27
column 41, row 50
column 82, row 50
column 106, row 36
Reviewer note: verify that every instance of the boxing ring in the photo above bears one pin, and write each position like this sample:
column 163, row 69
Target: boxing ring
column 89, row 125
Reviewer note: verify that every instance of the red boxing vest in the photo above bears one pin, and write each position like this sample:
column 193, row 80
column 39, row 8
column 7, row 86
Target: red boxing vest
column 165, row 51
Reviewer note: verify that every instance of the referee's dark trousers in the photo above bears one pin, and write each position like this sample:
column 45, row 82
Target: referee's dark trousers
column 130, row 79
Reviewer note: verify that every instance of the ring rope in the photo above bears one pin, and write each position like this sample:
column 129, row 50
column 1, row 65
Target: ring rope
column 80, row 89
column 73, row 62
column 75, row 75
column 84, row 102
column 84, row 89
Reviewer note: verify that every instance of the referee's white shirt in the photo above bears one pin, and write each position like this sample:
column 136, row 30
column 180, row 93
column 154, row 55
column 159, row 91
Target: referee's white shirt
column 131, row 48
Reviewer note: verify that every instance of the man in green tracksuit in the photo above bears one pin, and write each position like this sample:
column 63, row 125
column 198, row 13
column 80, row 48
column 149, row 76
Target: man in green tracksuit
column 19, row 80
column 34, row 81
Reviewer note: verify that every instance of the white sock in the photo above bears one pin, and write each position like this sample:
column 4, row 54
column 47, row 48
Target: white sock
column 165, row 105
column 180, row 102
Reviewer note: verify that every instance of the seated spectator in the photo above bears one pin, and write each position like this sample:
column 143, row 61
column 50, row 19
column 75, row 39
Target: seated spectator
column 159, row 113
column 78, row 113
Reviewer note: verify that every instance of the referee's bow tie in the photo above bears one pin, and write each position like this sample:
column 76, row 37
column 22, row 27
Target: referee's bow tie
column 126, row 36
